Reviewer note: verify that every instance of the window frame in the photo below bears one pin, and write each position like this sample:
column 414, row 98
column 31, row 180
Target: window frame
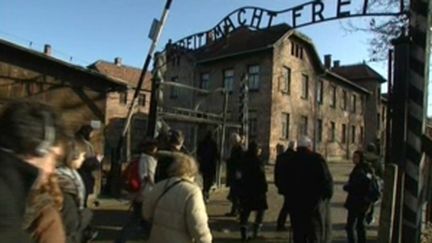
column 230, row 89
column 254, row 77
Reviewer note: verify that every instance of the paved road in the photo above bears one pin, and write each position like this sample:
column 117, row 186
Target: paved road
column 112, row 213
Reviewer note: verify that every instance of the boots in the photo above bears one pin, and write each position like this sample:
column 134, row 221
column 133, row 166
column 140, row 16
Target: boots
column 244, row 233
column 256, row 230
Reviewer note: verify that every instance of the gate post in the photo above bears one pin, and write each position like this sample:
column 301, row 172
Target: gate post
column 419, row 33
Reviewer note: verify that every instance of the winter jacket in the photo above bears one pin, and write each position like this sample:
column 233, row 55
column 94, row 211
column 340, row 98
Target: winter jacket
column 308, row 180
column 281, row 170
column 358, row 188
column 75, row 217
column 253, row 184
column 44, row 221
column 90, row 164
column 233, row 164
column 207, row 155
column 179, row 216
column 16, row 180
column 165, row 158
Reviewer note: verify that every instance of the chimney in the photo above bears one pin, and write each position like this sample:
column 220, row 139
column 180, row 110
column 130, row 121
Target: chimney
column 327, row 61
column 118, row 61
column 336, row 63
column 47, row 50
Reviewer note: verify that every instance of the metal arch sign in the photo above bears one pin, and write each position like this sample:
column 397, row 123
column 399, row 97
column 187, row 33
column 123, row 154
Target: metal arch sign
column 259, row 18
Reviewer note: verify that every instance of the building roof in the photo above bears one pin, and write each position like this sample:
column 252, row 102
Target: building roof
column 44, row 64
column 126, row 74
column 358, row 72
column 349, row 83
column 241, row 41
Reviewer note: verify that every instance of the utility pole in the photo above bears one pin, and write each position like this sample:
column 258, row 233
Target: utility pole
column 155, row 32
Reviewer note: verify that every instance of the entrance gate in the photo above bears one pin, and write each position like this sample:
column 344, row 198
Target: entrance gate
column 409, row 99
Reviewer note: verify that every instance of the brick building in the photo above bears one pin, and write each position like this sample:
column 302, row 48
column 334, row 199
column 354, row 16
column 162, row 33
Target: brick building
column 291, row 92
column 100, row 93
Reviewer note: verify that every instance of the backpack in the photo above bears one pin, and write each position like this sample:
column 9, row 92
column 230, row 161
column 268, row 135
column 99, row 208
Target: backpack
column 131, row 177
column 374, row 189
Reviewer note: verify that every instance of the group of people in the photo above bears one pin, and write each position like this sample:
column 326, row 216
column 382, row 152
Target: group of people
column 302, row 177
column 46, row 177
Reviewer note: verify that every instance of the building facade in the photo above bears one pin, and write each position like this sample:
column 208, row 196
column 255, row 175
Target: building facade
column 291, row 93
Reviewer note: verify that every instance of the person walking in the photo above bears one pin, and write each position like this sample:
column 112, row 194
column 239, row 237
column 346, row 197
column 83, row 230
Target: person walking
column 175, row 206
column 29, row 148
column 253, row 189
column 91, row 162
column 76, row 217
column 309, row 189
column 207, row 155
column 233, row 173
column 135, row 226
column 357, row 202
column 280, row 173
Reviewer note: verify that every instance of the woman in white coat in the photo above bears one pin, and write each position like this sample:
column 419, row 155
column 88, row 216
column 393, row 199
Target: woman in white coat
column 175, row 206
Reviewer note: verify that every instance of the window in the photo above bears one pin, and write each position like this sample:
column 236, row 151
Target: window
column 286, row 82
column 353, row 134
column 361, row 135
column 204, row 81
column 343, row 140
column 228, row 79
column 253, row 123
column 296, row 50
column 320, row 88
column 254, row 77
column 142, row 100
column 305, row 86
column 333, row 96
column 174, row 91
column 285, row 119
column 344, row 100
column 123, row 98
column 304, row 125
column 361, row 104
column 353, row 103
column 319, row 130
column 332, row 134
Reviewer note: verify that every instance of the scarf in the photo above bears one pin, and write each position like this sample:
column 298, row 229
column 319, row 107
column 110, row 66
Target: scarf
column 71, row 182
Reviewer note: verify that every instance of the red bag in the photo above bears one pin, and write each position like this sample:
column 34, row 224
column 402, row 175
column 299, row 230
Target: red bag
column 131, row 177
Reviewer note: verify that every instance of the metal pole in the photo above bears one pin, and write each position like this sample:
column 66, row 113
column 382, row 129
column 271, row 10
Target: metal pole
column 115, row 171
column 389, row 106
column 147, row 63
column 399, row 117
column 222, row 145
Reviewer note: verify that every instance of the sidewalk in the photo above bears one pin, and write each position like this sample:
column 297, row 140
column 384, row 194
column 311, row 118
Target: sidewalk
column 111, row 213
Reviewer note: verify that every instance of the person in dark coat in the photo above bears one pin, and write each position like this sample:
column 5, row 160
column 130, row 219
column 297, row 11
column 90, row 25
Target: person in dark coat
column 253, row 190
column 309, row 189
column 29, row 148
column 91, row 162
column 165, row 155
column 76, row 217
column 280, row 176
column 357, row 202
column 233, row 171
column 207, row 155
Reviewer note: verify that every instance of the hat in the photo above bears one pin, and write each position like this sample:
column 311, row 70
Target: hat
column 304, row 141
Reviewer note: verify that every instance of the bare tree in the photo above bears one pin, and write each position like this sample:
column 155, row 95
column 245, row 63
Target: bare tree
column 383, row 29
